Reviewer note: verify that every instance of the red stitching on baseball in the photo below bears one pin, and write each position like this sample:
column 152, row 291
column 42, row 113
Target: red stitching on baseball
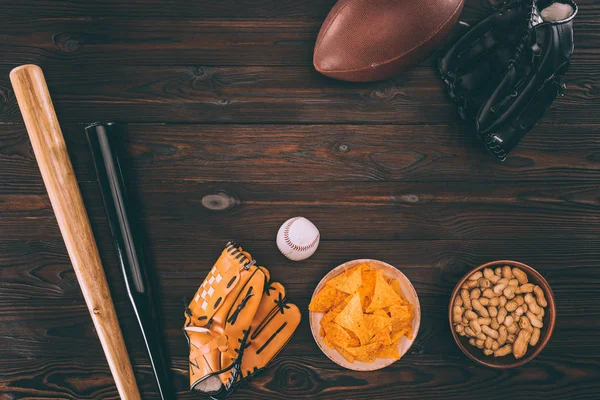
column 286, row 237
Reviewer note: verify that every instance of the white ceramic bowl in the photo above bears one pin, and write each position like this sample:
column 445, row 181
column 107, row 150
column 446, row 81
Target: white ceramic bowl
column 403, row 345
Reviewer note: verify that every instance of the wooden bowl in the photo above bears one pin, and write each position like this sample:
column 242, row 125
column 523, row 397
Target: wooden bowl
column 508, row 361
column 403, row 345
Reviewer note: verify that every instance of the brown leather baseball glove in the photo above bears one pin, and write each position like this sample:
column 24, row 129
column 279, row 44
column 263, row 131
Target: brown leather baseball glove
column 236, row 323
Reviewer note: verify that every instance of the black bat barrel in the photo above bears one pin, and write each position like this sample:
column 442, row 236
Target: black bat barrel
column 102, row 138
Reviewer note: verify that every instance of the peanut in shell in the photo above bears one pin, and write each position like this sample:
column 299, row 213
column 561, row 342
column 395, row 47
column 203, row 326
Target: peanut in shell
column 503, row 351
column 539, row 296
column 521, row 343
column 520, row 275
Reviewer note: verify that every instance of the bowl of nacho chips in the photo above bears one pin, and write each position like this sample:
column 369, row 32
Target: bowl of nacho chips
column 364, row 315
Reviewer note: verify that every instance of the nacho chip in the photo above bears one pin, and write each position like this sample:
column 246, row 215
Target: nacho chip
column 396, row 286
column 324, row 300
column 341, row 298
column 368, row 276
column 390, row 351
column 338, row 309
column 328, row 342
column 324, row 324
column 354, row 340
column 329, row 316
column 382, row 337
column 347, row 282
column 381, row 312
column 363, row 267
column 375, row 323
column 402, row 317
column 323, row 333
column 366, row 353
column 351, row 318
column 396, row 336
column 384, row 295
column 344, row 302
column 366, row 303
column 338, row 335
column 349, row 357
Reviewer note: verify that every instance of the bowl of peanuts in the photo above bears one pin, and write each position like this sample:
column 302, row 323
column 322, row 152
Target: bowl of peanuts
column 502, row 314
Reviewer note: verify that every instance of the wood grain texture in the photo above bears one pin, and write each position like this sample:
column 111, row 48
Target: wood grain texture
column 202, row 93
column 277, row 153
column 411, row 211
column 61, row 185
column 85, row 41
column 221, row 108
column 200, row 9
column 229, row 9
column 196, row 9
column 296, row 377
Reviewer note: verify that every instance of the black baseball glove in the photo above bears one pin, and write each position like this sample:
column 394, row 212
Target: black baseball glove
column 504, row 72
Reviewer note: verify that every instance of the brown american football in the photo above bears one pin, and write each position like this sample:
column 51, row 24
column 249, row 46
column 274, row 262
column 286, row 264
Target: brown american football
column 369, row 40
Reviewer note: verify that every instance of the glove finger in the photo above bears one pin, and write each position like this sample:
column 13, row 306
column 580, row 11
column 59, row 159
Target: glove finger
column 237, row 323
column 267, row 274
column 221, row 280
column 500, row 29
column 510, row 134
column 274, row 292
column 503, row 95
column 273, row 325
column 484, row 45
column 271, row 339
column 468, row 47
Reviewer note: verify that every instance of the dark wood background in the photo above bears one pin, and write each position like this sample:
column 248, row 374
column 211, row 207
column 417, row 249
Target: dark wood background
column 229, row 131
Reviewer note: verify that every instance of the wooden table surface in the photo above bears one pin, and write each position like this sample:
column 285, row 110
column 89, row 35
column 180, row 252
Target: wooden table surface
column 228, row 131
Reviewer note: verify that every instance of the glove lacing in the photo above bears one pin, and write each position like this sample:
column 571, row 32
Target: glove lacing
column 492, row 145
column 282, row 303
column 532, row 23
column 241, row 306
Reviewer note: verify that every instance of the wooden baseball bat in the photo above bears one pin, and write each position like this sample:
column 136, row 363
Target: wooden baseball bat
column 50, row 151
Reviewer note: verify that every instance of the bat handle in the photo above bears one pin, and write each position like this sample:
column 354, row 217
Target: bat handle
column 129, row 250
column 57, row 172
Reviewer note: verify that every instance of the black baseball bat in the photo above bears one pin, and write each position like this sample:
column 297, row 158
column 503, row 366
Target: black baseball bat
column 101, row 137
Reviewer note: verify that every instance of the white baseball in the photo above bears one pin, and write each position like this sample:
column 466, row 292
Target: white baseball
column 298, row 238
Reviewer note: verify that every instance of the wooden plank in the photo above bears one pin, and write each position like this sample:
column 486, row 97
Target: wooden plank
column 204, row 94
column 186, row 9
column 37, row 272
column 237, row 94
column 280, row 153
column 557, row 377
column 295, row 377
column 173, row 8
column 377, row 210
column 317, row 9
column 85, row 42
